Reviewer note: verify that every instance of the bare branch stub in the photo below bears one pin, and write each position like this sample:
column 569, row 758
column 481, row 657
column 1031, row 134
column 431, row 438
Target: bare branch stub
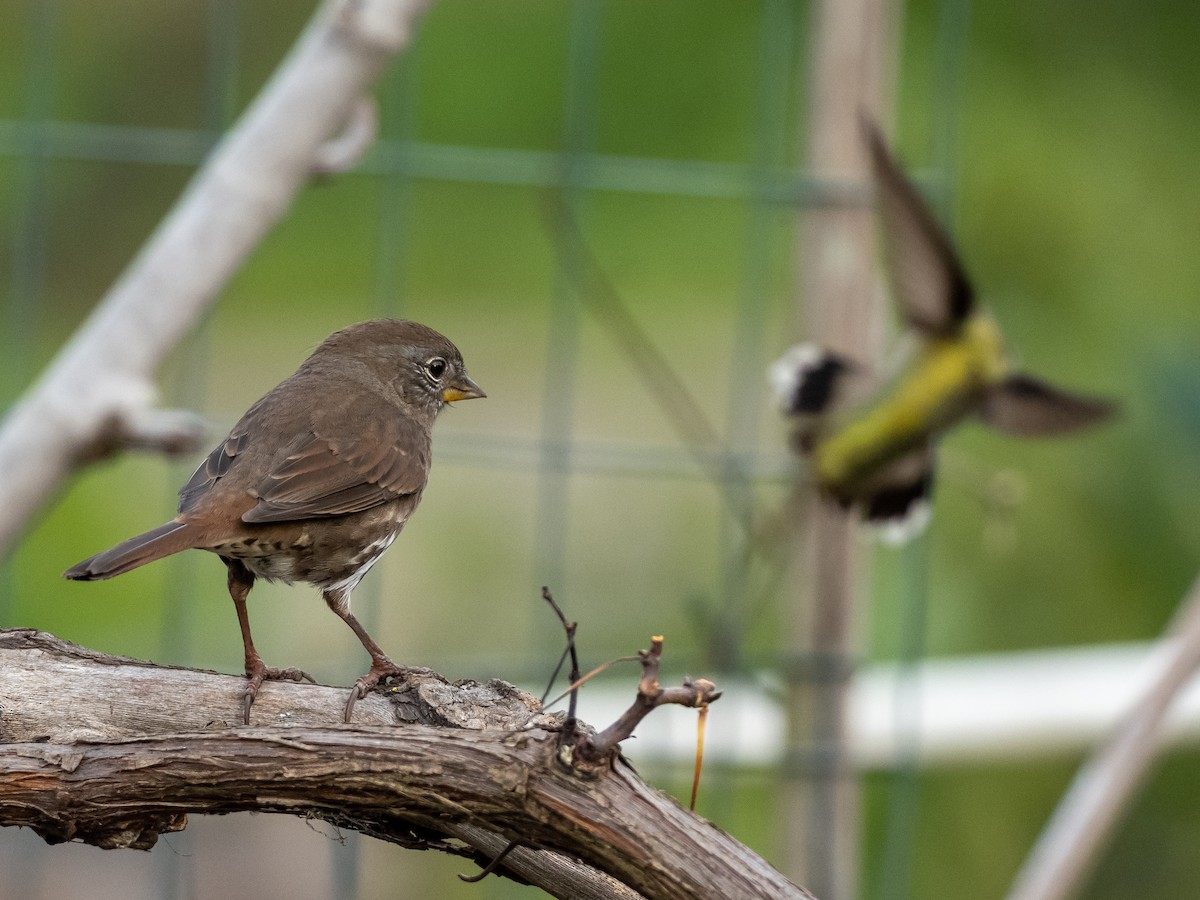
column 697, row 693
column 343, row 152
column 173, row 432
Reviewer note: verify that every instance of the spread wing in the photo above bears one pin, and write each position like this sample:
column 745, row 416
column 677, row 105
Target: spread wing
column 1026, row 406
column 930, row 284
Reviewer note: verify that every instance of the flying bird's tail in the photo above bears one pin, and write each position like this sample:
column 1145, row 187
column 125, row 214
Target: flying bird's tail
column 137, row 551
column 898, row 503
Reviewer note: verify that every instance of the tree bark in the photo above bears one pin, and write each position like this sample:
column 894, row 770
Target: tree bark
column 113, row 752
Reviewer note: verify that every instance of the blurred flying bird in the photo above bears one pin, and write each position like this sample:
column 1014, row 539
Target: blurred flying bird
column 875, row 448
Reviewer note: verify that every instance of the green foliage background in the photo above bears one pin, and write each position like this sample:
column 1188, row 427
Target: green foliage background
column 1074, row 203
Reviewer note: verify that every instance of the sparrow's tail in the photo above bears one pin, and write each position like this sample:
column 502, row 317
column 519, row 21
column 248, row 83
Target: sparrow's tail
column 137, row 551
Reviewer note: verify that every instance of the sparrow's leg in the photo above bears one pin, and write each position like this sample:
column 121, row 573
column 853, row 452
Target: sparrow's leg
column 241, row 580
column 381, row 666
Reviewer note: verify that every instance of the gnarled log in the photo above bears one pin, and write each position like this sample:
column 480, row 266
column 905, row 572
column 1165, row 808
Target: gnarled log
column 114, row 751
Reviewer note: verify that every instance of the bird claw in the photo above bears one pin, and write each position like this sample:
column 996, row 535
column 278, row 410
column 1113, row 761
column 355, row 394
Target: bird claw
column 379, row 672
column 260, row 673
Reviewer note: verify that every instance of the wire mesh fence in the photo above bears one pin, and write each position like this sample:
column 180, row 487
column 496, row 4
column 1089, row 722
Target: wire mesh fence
column 672, row 135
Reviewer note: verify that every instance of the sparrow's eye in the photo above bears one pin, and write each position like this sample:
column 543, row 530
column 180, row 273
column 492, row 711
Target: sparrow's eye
column 436, row 368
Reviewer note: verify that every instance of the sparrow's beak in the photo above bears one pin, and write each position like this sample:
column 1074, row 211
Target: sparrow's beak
column 462, row 388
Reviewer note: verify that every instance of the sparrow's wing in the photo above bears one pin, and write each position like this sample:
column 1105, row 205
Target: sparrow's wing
column 930, row 284
column 1023, row 405
column 213, row 468
column 382, row 458
column 342, row 459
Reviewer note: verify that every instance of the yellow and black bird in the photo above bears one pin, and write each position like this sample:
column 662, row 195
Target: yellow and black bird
column 874, row 448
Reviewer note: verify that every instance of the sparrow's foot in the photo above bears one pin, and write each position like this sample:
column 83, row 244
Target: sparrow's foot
column 382, row 669
column 258, row 673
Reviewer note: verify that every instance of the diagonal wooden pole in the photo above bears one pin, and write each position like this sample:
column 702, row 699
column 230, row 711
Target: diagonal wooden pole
column 1102, row 790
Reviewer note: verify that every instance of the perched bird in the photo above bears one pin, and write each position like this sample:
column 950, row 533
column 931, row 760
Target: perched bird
column 316, row 480
column 878, row 452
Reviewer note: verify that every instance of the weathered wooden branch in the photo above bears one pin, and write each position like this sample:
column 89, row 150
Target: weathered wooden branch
column 98, row 394
column 113, row 751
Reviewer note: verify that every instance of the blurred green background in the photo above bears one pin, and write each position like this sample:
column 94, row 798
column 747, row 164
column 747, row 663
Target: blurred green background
column 1069, row 140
